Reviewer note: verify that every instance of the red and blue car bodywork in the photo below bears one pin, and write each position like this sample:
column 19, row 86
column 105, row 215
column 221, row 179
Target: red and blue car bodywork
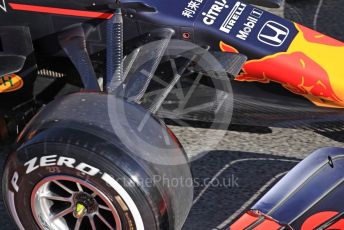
column 308, row 197
column 302, row 61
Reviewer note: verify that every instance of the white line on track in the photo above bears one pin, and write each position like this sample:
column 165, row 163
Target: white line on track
column 231, row 164
column 316, row 15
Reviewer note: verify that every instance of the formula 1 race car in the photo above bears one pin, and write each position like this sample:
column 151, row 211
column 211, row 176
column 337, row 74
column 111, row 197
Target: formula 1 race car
column 84, row 84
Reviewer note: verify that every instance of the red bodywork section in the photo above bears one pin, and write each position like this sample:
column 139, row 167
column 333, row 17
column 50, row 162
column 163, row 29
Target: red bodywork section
column 254, row 218
column 318, row 38
column 303, row 69
column 296, row 72
column 320, row 218
column 60, row 11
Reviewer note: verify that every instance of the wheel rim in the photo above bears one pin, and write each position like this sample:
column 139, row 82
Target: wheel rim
column 64, row 202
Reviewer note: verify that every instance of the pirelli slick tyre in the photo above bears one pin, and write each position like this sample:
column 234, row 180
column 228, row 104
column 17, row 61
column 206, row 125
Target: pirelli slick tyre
column 69, row 172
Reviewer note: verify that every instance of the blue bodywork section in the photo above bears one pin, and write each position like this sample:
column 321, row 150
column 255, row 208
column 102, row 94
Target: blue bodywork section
column 314, row 185
column 252, row 31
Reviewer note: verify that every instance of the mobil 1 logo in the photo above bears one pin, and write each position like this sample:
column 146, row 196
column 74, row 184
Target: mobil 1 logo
column 250, row 24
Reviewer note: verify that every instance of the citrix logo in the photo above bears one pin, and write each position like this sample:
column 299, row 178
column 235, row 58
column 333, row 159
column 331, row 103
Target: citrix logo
column 214, row 12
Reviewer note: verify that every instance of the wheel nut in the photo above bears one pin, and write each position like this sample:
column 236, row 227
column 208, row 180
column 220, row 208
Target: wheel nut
column 79, row 211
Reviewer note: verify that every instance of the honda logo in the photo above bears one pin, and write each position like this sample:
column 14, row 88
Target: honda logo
column 273, row 34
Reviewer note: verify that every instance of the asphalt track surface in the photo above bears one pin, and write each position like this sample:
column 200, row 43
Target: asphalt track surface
column 245, row 163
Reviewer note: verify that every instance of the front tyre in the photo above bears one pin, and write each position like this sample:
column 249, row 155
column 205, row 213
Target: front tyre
column 66, row 177
column 57, row 188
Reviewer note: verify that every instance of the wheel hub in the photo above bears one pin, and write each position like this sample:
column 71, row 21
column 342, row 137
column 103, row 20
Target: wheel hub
column 84, row 203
